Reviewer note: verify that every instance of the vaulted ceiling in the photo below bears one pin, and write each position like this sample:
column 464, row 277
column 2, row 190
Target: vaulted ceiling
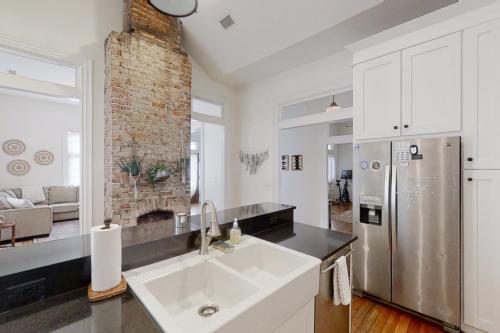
column 270, row 36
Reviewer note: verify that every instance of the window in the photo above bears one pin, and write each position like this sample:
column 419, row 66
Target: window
column 206, row 108
column 14, row 64
column 73, row 159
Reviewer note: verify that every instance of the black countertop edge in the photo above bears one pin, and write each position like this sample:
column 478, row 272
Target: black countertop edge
column 72, row 312
column 314, row 241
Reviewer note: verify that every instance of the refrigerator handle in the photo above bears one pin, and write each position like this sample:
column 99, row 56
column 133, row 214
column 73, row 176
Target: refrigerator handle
column 394, row 203
column 387, row 196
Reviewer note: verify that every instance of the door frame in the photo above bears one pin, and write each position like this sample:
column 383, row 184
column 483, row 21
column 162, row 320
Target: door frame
column 83, row 88
column 333, row 140
column 281, row 104
column 216, row 121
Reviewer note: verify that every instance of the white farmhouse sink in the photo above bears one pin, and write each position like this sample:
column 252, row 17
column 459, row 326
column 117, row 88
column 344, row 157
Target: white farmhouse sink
column 263, row 263
column 256, row 288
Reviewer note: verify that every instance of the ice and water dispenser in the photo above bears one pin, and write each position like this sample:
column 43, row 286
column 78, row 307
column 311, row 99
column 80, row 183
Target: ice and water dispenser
column 370, row 208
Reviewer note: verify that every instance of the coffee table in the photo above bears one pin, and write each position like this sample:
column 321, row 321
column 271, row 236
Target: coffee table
column 12, row 226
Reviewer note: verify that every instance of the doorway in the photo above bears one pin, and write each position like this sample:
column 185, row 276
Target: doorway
column 45, row 117
column 207, row 155
column 339, row 174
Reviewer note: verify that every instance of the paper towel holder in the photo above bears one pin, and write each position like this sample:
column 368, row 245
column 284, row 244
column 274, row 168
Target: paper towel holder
column 95, row 296
column 107, row 223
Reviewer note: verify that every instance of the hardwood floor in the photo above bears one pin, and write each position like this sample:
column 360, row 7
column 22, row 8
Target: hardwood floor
column 372, row 317
column 342, row 227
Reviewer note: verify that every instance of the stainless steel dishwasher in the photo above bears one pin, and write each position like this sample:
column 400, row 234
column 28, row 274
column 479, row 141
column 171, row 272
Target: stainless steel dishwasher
column 328, row 317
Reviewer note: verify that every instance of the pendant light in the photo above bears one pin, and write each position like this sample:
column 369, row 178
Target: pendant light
column 176, row 8
column 334, row 106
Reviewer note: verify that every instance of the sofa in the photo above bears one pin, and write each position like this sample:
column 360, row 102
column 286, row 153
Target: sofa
column 61, row 203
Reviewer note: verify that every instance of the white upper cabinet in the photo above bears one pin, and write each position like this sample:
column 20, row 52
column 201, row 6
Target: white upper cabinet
column 481, row 248
column 431, row 86
column 481, row 52
column 377, row 97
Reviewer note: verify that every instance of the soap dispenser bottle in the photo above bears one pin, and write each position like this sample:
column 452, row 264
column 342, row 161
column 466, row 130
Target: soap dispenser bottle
column 235, row 232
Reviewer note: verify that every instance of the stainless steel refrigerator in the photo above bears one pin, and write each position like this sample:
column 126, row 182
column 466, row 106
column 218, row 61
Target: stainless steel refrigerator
column 406, row 213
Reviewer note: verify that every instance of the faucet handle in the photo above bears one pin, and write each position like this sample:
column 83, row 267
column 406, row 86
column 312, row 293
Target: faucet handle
column 214, row 230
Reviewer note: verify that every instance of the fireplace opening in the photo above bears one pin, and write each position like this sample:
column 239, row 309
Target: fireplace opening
column 155, row 216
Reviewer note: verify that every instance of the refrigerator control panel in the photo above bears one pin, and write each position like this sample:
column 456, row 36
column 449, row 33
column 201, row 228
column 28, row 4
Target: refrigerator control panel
column 402, row 153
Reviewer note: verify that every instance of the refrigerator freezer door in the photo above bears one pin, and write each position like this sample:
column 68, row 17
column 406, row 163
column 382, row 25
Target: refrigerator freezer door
column 426, row 246
column 372, row 255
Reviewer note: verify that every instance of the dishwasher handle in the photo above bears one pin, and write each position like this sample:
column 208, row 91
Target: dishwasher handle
column 332, row 266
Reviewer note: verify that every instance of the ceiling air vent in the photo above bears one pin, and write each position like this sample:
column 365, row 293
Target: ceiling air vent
column 226, row 21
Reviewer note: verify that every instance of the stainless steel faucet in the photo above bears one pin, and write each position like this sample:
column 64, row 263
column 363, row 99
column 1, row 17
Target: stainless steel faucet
column 214, row 230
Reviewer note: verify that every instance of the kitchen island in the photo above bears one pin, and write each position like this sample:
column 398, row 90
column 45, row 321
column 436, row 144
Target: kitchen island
column 71, row 312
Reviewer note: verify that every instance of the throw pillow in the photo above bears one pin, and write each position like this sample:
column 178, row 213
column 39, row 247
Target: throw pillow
column 62, row 194
column 7, row 193
column 20, row 203
column 4, row 204
column 34, row 194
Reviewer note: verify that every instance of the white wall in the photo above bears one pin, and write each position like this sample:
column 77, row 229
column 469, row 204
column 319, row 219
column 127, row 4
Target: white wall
column 41, row 124
column 304, row 189
column 258, row 113
column 77, row 29
column 204, row 87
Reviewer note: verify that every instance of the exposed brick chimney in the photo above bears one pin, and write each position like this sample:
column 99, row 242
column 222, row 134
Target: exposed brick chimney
column 140, row 16
column 148, row 99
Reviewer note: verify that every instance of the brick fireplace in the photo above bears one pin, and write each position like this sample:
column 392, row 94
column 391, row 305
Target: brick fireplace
column 147, row 107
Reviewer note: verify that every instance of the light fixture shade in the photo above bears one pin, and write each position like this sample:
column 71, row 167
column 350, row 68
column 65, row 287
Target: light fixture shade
column 333, row 106
column 177, row 8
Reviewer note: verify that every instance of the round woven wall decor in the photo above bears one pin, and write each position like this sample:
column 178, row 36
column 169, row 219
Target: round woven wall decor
column 13, row 147
column 44, row 157
column 18, row 167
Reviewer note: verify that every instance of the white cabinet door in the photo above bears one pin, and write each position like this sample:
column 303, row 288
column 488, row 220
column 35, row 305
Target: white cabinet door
column 481, row 98
column 481, row 249
column 377, row 97
column 431, row 86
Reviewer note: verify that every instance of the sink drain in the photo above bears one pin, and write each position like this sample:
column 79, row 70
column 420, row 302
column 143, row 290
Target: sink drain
column 208, row 310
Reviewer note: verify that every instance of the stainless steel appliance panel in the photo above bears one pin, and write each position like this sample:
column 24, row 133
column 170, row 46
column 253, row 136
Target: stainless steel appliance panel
column 371, row 256
column 329, row 317
column 426, row 233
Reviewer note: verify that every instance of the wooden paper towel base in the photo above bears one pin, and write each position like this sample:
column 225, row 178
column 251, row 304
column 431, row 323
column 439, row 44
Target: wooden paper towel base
column 95, row 296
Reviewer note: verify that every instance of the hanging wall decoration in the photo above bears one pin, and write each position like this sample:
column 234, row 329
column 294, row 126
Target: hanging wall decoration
column 18, row 167
column 253, row 161
column 44, row 157
column 296, row 162
column 13, row 147
column 285, row 162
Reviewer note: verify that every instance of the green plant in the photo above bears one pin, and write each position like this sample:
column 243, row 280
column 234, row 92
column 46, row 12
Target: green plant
column 154, row 170
column 132, row 165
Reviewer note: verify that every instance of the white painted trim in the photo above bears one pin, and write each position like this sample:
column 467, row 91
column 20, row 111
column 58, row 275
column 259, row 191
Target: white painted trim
column 86, row 188
column 317, row 118
column 218, row 121
column 335, row 140
column 14, row 46
column 340, row 139
column 455, row 24
column 40, row 87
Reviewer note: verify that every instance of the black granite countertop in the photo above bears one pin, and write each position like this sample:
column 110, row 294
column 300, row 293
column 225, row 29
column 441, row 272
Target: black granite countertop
column 72, row 312
column 314, row 241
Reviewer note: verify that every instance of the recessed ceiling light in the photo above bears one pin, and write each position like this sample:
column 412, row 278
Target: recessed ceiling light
column 226, row 21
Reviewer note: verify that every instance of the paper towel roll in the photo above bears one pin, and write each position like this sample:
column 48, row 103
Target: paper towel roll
column 106, row 257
